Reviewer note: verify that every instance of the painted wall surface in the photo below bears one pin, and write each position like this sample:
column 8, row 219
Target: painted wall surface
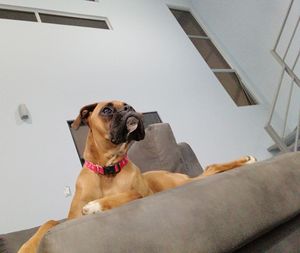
column 179, row 4
column 246, row 31
column 146, row 60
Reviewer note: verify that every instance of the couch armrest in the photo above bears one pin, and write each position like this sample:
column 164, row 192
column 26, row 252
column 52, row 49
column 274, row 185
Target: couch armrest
column 235, row 207
column 192, row 166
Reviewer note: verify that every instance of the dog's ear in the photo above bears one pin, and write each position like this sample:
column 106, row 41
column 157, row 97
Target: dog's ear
column 83, row 115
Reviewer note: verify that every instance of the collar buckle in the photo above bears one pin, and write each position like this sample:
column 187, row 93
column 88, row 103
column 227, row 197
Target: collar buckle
column 110, row 170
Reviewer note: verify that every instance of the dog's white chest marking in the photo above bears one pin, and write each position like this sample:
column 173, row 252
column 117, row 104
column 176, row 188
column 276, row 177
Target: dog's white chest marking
column 92, row 207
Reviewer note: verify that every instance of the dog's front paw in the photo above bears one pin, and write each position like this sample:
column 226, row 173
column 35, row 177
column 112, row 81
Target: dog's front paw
column 92, row 207
column 250, row 159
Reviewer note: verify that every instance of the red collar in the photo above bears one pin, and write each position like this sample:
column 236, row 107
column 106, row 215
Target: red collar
column 108, row 170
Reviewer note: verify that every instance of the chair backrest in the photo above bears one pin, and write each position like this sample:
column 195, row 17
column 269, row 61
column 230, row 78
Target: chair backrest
column 158, row 151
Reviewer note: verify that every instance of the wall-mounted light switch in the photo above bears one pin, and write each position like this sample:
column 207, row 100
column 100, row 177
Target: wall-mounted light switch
column 67, row 191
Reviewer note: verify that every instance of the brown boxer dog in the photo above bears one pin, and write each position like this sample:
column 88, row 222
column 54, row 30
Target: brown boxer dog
column 108, row 179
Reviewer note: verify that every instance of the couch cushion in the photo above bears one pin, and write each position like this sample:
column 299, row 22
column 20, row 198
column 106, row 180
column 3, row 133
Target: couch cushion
column 217, row 214
column 158, row 151
column 11, row 242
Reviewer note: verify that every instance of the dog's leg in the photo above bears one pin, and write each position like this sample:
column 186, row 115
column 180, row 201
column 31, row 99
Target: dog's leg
column 140, row 189
column 110, row 202
column 79, row 200
column 77, row 204
column 31, row 246
column 218, row 168
column 87, row 188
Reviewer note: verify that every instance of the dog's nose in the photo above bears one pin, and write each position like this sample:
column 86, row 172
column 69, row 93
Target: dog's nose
column 126, row 108
column 132, row 123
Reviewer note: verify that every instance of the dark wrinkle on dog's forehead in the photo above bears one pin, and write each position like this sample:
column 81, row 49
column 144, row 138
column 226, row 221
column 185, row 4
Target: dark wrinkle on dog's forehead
column 117, row 105
column 110, row 104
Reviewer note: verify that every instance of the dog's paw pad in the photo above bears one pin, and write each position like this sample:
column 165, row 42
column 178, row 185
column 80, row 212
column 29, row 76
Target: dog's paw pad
column 92, row 207
column 250, row 159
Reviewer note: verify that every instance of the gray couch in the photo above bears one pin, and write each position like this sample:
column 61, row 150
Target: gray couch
column 255, row 208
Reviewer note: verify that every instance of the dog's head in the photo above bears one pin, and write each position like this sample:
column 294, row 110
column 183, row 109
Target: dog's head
column 114, row 121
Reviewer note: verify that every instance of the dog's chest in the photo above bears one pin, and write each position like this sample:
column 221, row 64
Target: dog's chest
column 115, row 184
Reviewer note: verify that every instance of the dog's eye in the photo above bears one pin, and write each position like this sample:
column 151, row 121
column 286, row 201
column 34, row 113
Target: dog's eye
column 107, row 111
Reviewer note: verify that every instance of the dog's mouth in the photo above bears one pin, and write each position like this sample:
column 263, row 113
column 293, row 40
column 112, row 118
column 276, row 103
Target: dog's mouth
column 131, row 124
column 126, row 128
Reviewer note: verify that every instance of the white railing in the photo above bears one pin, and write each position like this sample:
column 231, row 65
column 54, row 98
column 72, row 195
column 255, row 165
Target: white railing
column 286, row 142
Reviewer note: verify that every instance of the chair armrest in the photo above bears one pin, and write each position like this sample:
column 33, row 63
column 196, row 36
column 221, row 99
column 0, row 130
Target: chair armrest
column 192, row 166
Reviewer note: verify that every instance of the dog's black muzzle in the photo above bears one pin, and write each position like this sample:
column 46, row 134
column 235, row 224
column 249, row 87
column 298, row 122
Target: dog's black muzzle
column 126, row 125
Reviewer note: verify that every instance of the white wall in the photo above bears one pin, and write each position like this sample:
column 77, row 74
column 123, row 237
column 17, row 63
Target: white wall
column 179, row 4
column 146, row 60
column 246, row 31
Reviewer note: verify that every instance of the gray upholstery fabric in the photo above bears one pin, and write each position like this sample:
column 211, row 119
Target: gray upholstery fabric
column 191, row 165
column 285, row 238
column 235, row 207
column 11, row 242
column 158, row 151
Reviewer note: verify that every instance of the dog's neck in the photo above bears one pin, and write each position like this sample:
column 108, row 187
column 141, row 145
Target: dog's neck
column 102, row 152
